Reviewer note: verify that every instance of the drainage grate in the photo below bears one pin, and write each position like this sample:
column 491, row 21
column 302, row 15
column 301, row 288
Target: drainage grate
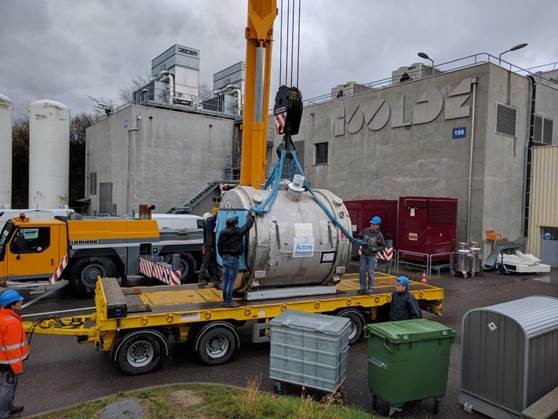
column 125, row 409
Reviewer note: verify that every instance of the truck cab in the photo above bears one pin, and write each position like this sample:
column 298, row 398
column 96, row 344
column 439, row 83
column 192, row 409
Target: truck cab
column 31, row 249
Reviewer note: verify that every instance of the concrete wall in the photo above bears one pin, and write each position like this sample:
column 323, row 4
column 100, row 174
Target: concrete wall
column 547, row 106
column 173, row 155
column 504, row 155
column 399, row 141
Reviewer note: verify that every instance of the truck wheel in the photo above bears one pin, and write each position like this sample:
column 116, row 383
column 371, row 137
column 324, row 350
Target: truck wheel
column 187, row 266
column 357, row 324
column 85, row 272
column 139, row 354
column 216, row 346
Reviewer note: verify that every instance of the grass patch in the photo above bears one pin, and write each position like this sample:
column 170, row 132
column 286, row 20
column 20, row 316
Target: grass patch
column 203, row 401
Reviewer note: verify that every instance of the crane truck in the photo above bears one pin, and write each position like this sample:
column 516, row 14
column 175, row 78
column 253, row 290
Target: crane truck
column 137, row 325
column 82, row 249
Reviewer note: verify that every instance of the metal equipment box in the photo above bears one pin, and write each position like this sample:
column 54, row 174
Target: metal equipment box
column 427, row 225
column 408, row 360
column 510, row 356
column 362, row 210
column 309, row 349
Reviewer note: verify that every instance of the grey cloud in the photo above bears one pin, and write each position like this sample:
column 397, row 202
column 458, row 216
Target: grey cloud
column 68, row 50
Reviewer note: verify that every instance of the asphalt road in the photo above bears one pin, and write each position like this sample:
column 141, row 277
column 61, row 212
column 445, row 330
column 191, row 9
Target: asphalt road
column 61, row 372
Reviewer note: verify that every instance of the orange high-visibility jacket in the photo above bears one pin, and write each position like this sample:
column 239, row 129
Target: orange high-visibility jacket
column 13, row 342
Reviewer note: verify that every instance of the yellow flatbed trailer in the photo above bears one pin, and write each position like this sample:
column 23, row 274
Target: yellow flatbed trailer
column 137, row 325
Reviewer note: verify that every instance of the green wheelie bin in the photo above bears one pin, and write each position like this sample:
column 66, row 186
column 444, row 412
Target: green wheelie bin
column 408, row 360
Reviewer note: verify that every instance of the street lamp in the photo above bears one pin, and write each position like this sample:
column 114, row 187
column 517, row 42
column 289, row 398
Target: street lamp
column 425, row 56
column 515, row 48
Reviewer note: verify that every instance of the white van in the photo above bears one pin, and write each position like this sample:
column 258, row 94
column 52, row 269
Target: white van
column 178, row 221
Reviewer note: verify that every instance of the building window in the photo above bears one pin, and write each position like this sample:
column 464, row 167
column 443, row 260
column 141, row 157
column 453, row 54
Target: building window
column 547, row 130
column 542, row 133
column 505, row 120
column 321, row 153
column 93, row 183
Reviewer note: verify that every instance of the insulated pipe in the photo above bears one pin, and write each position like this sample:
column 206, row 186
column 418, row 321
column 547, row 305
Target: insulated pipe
column 260, row 64
column 231, row 88
column 170, row 76
column 474, row 83
column 171, row 88
column 132, row 138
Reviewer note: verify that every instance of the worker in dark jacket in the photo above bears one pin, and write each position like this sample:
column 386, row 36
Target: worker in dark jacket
column 209, row 269
column 374, row 243
column 403, row 303
column 230, row 247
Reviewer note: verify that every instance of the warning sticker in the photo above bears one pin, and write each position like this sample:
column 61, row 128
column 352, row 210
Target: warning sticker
column 413, row 237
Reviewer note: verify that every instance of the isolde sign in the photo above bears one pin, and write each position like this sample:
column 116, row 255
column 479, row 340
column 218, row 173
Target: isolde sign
column 376, row 113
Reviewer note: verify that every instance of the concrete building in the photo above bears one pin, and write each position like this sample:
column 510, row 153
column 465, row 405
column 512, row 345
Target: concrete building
column 175, row 78
column 414, row 138
column 149, row 155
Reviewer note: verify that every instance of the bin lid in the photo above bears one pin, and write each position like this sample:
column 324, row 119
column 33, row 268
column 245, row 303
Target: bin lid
column 410, row 330
column 300, row 320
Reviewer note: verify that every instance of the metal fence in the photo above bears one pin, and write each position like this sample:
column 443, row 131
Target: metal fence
column 447, row 67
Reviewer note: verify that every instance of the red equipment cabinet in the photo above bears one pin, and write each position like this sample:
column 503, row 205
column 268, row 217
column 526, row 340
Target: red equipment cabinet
column 362, row 210
column 427, row 225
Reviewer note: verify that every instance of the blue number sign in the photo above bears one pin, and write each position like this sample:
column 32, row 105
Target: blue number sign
column 459, row 133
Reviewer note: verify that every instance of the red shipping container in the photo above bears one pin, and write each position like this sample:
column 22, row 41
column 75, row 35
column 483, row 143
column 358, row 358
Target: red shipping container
column 427, row 225
column 362, row 210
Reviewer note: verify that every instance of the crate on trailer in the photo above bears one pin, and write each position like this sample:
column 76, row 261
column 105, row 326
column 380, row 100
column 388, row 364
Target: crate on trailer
column 309, row 350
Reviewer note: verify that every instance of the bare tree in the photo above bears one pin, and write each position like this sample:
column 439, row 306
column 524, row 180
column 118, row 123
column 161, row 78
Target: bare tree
column 20, row 158
column 126, row 94
column 103, row 107
column 20, row 163
column 204, row 92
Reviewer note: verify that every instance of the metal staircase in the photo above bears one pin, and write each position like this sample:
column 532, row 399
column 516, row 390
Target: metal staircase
column 211, row 186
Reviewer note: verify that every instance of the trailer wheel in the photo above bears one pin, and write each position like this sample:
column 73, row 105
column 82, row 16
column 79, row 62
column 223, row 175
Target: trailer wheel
column 85, row 272
column 139, row 354
column 216, row 345
column 357, row 324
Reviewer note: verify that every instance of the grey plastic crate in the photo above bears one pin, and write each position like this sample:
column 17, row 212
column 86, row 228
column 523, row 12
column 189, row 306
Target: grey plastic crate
column 309, row 349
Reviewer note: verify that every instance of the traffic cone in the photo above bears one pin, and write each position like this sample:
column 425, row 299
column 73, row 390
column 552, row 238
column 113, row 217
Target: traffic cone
column 423, row 277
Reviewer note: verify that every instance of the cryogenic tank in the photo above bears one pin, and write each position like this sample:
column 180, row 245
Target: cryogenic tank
column 295, row 243
column 5, row 152
column 49, row 154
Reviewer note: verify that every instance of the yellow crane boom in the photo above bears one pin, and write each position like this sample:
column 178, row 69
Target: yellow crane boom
column 259, row 37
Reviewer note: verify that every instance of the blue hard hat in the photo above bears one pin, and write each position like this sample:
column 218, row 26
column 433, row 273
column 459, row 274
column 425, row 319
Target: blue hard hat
column 376, row 220
column 9, row 297
column 403, row 280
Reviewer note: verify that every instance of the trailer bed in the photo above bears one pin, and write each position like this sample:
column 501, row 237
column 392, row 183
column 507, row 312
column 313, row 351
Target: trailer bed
column 155, row 316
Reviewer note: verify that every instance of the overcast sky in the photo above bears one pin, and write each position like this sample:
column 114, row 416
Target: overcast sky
column 68, row 50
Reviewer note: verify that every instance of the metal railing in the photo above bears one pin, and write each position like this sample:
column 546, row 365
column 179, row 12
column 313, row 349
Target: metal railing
column 424, row 260
column 442, row 69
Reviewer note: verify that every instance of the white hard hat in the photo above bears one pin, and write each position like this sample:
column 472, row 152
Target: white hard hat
column 206, row 216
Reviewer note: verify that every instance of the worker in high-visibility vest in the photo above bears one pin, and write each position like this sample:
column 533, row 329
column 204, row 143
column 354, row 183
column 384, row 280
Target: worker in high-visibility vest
column 13, row 350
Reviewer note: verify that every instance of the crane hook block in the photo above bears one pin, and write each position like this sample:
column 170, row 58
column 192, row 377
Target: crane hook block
column 287, row 110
